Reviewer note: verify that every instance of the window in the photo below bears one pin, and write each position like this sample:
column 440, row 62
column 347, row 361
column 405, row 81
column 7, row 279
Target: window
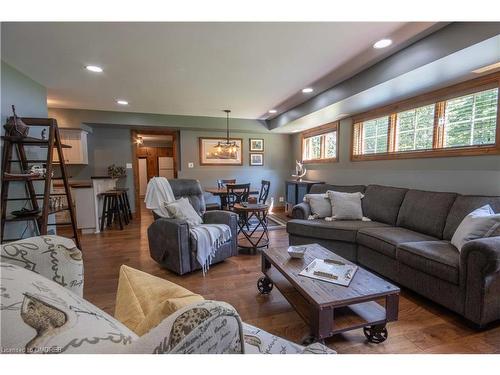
column 471, row 119
column 415, row 128
column 320, row 144
column 375, row 135
column 455, row 121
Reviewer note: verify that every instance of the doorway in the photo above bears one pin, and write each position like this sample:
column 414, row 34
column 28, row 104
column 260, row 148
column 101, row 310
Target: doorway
column 154, row 154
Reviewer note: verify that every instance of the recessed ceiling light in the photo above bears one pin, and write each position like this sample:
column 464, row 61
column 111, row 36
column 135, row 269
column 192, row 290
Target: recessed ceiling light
column 487, row 68
column 94, row 68
column 307, row 90
column 382, row 43
column 122, row 102
column 272, row 111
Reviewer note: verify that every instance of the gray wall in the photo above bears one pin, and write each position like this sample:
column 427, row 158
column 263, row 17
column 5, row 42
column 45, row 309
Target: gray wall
column 106, row 146
column 109, row 143
column 30, row 99
column 466, row 175
column 275, row 169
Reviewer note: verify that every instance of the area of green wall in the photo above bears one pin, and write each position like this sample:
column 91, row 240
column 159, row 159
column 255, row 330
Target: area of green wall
column 30, row 100
column 109, row 143
column 29, row 97
column 479, row 175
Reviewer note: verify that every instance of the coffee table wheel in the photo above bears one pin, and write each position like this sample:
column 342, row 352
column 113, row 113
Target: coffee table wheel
column 376, row 334
column 265, row 285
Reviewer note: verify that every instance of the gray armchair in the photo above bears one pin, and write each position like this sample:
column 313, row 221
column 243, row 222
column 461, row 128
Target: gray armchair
column 169, row 241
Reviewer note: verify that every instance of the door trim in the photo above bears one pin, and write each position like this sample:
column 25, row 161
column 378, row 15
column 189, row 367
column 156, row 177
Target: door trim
column 135, row 163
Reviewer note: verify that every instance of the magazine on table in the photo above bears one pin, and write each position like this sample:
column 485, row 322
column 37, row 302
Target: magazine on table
column 330, row 270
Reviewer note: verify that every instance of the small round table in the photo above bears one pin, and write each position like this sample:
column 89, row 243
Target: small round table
column 245, row 213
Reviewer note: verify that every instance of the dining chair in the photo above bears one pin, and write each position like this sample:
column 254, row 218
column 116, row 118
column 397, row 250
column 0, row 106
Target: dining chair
column 237, row 193
column 264, row 191
column 223, row 183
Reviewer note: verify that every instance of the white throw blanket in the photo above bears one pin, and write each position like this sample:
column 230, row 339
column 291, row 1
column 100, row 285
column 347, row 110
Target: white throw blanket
column 158, row 192
column 208, row 237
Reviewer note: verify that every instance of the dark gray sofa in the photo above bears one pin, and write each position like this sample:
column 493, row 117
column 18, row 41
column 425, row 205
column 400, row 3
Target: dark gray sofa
column 408, row 241
column 169, row 242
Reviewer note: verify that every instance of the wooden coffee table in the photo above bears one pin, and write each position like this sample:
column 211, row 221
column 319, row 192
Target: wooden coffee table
column 329, row 308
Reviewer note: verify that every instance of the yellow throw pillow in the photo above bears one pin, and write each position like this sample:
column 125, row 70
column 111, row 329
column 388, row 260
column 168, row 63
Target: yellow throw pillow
column 143, row 300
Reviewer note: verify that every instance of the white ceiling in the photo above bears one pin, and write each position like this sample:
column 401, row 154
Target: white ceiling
column 192, row 68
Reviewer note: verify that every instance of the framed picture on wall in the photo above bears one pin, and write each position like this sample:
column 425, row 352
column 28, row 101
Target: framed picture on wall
column 256, row 145
column 213, row 152
column 256, row 159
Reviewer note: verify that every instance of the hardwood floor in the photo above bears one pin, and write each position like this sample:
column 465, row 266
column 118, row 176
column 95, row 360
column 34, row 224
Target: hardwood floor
column 423, row 326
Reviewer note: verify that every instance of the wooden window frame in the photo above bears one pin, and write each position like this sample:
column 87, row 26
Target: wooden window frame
column 320, row 130
column 438, row 98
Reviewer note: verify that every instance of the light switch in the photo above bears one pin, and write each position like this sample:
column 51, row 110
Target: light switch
column 128, row 165
column 191, row 165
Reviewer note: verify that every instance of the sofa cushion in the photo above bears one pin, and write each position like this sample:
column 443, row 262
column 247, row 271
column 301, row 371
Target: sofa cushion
column 436, row 258
column 464, row 205
column 344, row 230
column 323, row 188
column 382, row 203
column 425, row 211
column 42, row 316
column 385, row 239
column 144, row 300
column 54, row 257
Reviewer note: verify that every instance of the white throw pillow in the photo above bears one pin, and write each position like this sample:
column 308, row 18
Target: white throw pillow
column 478, row 224
column 182, row 209
column 320, row 205
column 39, row 315
column 346, row 206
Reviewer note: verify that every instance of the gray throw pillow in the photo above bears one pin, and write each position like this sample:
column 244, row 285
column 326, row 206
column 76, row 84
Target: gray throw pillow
column 182, row 209
column 479, row 223
column 320, row 205
column 346, row 206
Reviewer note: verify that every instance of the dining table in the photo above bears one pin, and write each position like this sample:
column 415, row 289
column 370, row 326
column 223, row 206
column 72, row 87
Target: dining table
column 222, row 193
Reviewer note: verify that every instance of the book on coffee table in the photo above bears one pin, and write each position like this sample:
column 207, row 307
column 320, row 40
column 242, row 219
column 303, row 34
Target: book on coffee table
column 330, row 270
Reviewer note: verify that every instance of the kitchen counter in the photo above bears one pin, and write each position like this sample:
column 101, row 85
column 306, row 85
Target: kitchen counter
column 89, row 202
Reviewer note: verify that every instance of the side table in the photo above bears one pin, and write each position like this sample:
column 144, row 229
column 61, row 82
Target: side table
column 252, row 240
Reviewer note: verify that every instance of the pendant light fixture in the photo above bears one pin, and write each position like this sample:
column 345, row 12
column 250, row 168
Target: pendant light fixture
column 227, row 146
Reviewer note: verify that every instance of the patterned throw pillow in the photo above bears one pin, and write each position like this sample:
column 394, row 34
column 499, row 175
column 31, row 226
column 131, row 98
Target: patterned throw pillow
column 41, row 316
column 207, row 327
column 54, row 257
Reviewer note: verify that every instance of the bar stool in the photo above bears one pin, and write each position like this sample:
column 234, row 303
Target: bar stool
column 113, row 208
column 126, row 202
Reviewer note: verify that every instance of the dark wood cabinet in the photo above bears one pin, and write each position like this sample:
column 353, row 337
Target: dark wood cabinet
column 295, row 191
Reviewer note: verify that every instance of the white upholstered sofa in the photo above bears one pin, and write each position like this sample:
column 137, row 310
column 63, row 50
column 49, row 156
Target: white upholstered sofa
column 43, row 310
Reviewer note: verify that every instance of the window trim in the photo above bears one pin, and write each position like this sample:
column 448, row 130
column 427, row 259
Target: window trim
column 437, row 97
column 320, row 130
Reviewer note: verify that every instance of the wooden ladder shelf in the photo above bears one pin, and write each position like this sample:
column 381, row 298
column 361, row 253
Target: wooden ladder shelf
column 52, row 143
